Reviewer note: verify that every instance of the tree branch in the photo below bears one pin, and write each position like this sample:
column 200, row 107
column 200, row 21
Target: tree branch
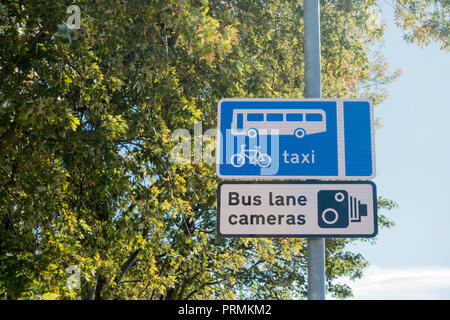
column 8, row 136
column 129, row 263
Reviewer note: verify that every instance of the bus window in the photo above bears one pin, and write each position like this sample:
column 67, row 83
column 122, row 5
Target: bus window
column 255, row 117
column 313, row 117
column 240, row 121
column 294, row 117
column 274, row 117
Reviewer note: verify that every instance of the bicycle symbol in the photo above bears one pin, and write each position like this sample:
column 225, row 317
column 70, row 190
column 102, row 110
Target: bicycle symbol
column 255, row 156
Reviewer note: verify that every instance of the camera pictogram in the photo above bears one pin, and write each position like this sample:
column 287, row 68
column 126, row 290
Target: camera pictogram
column 337, row 209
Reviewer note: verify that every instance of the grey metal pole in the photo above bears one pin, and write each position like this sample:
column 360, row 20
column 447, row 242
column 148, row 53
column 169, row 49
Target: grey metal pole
column 311, row 18
column 316, row 246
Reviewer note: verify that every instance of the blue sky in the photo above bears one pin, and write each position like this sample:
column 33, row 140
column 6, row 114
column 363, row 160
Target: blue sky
column 412, row 260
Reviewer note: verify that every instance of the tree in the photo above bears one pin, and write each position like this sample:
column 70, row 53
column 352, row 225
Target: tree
column 424, row 21
column 86, row 120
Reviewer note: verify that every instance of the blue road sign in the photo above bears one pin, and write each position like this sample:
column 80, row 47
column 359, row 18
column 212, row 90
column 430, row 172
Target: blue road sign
column 295, row 139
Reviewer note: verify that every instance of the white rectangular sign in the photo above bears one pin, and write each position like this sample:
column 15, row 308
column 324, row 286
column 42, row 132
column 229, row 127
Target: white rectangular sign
column 297, row 209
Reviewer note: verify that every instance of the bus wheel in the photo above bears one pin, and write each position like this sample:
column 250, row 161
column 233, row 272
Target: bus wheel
column 252, row 133
column 300, row 133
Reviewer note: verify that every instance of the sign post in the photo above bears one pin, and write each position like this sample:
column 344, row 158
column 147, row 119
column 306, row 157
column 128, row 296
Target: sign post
column 316, row 246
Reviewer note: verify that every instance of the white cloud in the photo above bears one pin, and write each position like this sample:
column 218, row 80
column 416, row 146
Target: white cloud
column 402, row 283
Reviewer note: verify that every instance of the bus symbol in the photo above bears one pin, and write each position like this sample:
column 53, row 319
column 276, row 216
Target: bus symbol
column 298, row 122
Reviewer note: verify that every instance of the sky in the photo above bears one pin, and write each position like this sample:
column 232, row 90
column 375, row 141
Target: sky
column 412, row 260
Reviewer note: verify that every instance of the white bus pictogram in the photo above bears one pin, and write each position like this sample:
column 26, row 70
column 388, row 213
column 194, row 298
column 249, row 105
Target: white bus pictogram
column 298, row 122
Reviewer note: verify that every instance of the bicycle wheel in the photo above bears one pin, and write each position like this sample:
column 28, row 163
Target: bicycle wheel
column 264, row 160
column 237, row 160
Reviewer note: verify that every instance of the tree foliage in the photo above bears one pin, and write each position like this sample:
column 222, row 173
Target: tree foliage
column 424, row 21
column 86, row 116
